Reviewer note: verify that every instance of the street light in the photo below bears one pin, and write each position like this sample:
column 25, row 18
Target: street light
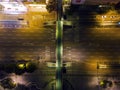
column 59, row 47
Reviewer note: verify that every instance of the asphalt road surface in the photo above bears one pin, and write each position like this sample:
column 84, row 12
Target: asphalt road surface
column 84, row 46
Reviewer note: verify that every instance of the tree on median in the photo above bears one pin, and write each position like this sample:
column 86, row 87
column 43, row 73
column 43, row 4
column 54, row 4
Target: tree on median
column 51, row 6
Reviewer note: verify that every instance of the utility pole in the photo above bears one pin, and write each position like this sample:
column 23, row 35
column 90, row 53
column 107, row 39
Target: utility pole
column 59, row 46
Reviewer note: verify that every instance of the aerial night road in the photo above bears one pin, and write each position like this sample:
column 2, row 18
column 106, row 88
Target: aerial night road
column 25, row 38
column 91, row 46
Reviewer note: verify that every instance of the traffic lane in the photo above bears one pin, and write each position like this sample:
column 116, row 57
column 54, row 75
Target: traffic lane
column 41, row 53
column 38, row 32
column 91, row 43
column 86, row 61
column 24, row 41
column 92, row 52
column 83, row 33
column 106, row 32
column 25, row 53
column 27, row 37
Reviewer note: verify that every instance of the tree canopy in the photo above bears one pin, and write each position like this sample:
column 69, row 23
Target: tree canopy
column 51, row 6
